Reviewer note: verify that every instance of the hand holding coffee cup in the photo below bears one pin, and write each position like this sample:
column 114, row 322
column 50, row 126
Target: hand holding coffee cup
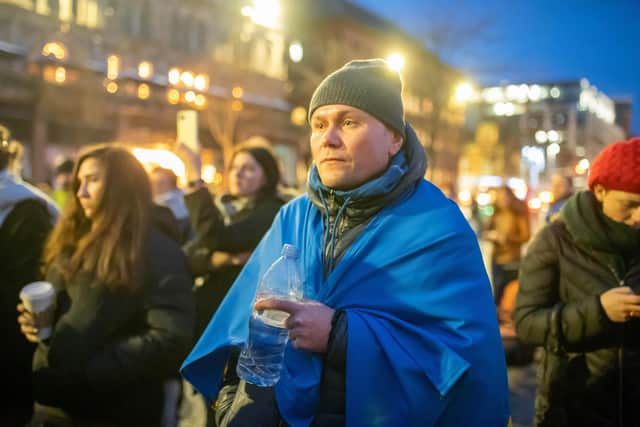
column 38, row 309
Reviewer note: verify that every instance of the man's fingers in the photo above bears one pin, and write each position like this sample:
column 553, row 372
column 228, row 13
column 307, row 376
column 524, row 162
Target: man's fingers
column 288, row 306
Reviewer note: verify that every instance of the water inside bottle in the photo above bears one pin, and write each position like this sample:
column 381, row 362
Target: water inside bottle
column 273, row 317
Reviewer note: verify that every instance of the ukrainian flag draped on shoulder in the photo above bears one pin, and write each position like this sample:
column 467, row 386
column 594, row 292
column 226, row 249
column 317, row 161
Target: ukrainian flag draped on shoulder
column 423, row 342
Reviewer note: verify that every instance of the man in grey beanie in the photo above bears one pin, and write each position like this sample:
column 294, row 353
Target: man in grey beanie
column 398, row 325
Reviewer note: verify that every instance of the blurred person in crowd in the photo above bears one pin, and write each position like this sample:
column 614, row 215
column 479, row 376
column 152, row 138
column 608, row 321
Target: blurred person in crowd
column 165, row 191
column 579, row 298
column 26, row 218
column 397, row 326
column 125, row 312
column 62, row 182
column 229, row 226
column 14, row 171
column 562, row 189
column 508, row 231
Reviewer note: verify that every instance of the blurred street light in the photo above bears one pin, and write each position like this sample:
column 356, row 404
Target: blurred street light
column 60, row 75
column 237, row 105
column 144, row 91
column 299, row 116
column 55, row 49
column 263, row 12
column 200, row 101
column 111, row 87
column 553, row 149
column 174, row 76
column 504, row 109
column 396, row 61
column 173, row 96
column 541, row 136
column 113, row 66
column 159, row 157
column 201, row 82
column 187, row 78
column 582, row 167
column 237, row 92
column 546, row 197
column 464, row 93
column 296, row 52
column 145, row 69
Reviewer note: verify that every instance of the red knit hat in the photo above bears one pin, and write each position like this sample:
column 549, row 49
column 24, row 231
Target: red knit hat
column 617, row 167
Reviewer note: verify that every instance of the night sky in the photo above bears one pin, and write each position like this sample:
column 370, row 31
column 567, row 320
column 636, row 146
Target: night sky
column 500, row 41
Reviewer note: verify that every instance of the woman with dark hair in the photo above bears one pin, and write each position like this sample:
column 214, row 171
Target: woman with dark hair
column 125, row 308
column 229, row 226
column 508, row 231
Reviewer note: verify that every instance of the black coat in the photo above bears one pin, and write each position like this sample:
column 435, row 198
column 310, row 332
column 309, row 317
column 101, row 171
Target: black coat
column 22, row 236
column 111, row 351
column 591, row 367
column 241, row 234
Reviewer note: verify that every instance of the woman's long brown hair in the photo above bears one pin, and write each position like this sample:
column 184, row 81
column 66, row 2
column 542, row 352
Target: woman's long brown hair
column 110, row 249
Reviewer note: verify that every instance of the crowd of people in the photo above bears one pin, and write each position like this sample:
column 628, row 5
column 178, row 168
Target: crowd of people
column 155, row 284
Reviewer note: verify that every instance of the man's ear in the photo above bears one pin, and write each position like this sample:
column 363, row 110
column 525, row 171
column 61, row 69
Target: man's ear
column 599, row 191
column 396, row 144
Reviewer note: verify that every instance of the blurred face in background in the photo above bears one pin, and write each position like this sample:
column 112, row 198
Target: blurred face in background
column 560, row 186
column 246, row 176
column 63, row 181
column 161, row 183
column 91, row 179
column 620, row 206
column 503, row 198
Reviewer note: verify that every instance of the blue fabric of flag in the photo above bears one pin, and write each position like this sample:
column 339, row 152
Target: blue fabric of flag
column 424, row 347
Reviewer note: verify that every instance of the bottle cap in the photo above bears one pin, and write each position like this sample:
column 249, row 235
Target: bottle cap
column 290, row 251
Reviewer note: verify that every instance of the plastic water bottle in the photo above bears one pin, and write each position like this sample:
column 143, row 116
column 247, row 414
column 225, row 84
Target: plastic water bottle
column 261, row 358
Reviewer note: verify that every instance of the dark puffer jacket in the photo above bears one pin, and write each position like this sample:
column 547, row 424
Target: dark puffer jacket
column 216, row 230
column 111, row 350
column 591, row 366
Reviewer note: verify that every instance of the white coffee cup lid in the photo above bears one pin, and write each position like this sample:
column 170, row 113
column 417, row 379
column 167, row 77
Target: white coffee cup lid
column 37, row 289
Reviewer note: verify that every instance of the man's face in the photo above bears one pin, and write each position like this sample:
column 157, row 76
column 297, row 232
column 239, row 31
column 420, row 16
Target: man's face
column 350, row 146
column 559, row 186
column 620, row 206
column 160, row 183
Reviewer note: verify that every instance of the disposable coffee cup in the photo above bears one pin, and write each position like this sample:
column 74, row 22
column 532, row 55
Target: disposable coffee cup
column 40, row 299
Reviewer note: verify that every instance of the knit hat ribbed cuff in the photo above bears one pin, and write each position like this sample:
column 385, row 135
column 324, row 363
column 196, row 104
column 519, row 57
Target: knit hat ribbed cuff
column 617, row 167
column 369, row 85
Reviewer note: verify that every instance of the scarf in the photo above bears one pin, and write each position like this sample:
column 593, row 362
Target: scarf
column 612, row 243
column 345, row 213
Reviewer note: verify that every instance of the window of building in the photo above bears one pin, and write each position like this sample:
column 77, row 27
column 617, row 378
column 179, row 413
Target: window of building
column 145, row 20
column 54, row 7
column 43, row 7
column 25, row 4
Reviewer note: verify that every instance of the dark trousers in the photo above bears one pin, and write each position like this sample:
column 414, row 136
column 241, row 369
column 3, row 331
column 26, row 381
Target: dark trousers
column 502, row 275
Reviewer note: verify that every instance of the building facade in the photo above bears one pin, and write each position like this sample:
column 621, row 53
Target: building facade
column 530, row 131
column 75, row 72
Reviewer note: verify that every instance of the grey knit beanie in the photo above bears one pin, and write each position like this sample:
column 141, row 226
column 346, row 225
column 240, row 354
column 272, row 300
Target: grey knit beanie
column 370, row 85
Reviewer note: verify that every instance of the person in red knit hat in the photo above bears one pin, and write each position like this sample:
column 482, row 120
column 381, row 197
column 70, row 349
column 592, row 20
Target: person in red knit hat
column 579, row 298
